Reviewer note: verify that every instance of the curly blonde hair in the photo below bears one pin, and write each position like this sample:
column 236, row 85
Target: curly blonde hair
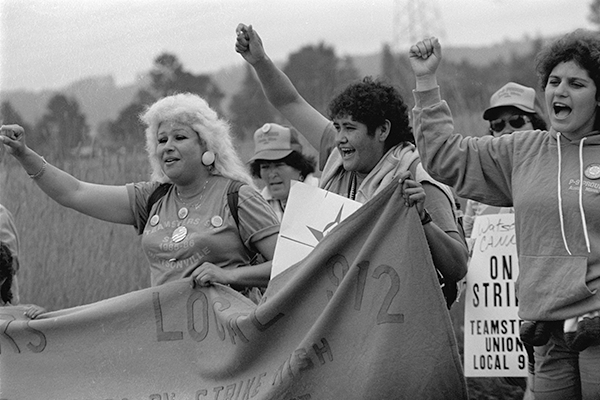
column 193, row 111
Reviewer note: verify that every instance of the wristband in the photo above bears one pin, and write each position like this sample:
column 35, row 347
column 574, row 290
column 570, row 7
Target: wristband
column 41, row 171
column 425, row 218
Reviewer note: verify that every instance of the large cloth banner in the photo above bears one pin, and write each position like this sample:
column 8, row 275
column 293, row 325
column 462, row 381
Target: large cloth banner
column 491, row 330
column 361, row 317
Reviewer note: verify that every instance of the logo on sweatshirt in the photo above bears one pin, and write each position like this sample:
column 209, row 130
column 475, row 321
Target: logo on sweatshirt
column 592, row 171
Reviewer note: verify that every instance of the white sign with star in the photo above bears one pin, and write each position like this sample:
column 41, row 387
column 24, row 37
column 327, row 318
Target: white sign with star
column 310, row 213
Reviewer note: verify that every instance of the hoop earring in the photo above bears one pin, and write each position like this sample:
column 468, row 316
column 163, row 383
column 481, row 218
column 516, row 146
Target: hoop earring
column 208, row 158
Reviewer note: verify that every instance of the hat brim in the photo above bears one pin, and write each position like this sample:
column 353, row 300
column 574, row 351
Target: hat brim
column 488, row 112
column 270, row 155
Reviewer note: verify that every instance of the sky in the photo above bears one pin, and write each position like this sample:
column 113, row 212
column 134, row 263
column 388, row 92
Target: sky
column 47, row 44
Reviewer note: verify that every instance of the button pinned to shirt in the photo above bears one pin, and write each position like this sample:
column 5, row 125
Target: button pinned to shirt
column 592, row 171
column 216, row 221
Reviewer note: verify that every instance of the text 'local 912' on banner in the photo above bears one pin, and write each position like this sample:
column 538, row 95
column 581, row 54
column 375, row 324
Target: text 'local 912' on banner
column 362, row 316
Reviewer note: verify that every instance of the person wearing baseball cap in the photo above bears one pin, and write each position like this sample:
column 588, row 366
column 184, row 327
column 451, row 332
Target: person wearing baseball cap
column 513, row 107
column 551, row 178
column 277, row 160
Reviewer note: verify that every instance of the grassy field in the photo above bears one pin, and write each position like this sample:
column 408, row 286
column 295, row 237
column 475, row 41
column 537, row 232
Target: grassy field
column 69, row 259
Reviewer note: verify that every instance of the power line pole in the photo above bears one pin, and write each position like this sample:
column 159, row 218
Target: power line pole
column 416, row 20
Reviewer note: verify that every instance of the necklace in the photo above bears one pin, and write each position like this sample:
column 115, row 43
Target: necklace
column 181, row 232
column 184, row 211
column 353, row 184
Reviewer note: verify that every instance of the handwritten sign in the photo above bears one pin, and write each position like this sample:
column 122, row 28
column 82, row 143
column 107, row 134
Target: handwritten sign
column 491, row 329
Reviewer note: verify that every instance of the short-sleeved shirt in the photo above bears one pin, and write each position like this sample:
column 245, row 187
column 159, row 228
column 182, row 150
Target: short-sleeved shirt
column 211, row 234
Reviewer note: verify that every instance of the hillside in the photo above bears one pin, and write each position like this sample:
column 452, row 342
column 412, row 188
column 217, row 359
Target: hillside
column 100, row 99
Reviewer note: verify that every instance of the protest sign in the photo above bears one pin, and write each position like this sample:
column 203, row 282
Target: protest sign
column 303, row 226
column 491, row 329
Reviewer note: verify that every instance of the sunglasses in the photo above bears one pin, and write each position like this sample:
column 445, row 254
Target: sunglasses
column 516, row 121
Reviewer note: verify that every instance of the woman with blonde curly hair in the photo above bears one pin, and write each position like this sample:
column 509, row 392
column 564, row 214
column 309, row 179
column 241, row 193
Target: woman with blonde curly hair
column 189, row 227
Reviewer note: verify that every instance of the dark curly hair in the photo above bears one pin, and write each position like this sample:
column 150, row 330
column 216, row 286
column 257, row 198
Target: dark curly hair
column 303, row 163
column 371, row 102
column 537, row 122
column 581, row 46
column 7, row 272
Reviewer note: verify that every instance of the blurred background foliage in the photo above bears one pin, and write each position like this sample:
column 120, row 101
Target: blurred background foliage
column 69, row 259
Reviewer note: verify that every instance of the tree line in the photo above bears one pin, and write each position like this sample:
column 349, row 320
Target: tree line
column 316, row 70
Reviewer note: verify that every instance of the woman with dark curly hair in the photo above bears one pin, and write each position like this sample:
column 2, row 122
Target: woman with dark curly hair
column 368, row 144
column 552, row 179
column 10, row 238
column 277, row 160
column 7, row 272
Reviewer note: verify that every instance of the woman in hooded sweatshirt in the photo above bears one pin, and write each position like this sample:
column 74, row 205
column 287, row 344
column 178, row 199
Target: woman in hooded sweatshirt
column 552, row 179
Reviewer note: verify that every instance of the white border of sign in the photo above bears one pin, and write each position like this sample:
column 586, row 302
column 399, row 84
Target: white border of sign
column 491, row 329
column 310, row 213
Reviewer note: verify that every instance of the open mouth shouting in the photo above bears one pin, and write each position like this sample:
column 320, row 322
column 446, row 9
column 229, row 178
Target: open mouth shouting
column 561, row 110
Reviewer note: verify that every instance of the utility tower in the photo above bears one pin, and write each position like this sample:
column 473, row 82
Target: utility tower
column 416, row 20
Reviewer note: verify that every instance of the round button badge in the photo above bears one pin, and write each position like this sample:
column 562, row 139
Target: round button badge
column 182, row 213
column 216, row 221
column 592, row 171
column 179, row 234
column 154, row 220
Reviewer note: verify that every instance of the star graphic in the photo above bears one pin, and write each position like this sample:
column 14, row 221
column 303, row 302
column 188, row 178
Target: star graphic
column 320, row 234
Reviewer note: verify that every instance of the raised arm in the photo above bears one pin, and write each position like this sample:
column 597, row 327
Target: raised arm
column 425, row 58
column 108, row 203
column 278, row 88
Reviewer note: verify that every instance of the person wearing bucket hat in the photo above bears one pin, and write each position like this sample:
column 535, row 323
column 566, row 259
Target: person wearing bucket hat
column 277, row 160
column 552, row 179
column 188, row 225
column 368, row 143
